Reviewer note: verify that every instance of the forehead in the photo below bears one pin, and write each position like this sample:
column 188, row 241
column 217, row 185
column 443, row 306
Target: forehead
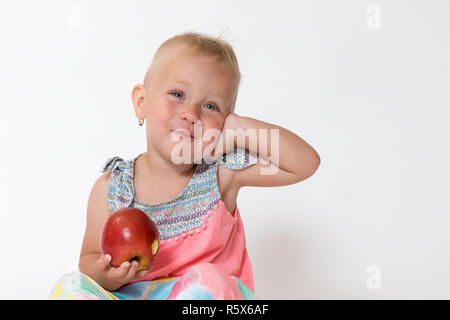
column 195, row 65
column 208, row 73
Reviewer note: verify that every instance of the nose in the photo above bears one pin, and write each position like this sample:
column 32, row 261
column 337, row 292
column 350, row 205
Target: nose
column 189, row 113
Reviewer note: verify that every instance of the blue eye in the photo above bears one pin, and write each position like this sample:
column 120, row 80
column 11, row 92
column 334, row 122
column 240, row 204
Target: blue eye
column 213, row 105
column 176, row 92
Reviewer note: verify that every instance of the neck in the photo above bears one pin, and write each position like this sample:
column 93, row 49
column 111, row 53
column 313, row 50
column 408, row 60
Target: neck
column 161, row 169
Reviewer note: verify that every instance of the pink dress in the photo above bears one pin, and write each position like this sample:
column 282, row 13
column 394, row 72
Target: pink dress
column 219, row 240
column 202, row 252
column 202, row 243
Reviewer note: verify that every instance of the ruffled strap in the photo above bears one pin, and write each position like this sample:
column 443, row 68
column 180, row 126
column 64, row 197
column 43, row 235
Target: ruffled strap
column 237, row 159
column 119, row 191
column 111, row 163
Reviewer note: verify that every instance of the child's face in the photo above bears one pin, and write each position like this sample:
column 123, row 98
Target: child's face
column 185, row 89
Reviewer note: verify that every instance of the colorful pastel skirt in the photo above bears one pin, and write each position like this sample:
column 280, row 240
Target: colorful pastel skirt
column 203, row 281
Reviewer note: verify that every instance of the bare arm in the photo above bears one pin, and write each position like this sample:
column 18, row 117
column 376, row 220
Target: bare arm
column 92, row 262
column 285, row 159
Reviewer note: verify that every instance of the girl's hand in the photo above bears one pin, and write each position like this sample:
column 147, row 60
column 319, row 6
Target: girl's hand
column 226, row 140
column 114, row 278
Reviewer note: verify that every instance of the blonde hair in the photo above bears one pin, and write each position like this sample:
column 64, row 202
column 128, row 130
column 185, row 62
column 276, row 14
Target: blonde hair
column 204, row 45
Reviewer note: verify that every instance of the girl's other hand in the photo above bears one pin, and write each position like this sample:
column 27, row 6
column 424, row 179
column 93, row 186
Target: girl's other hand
column 113, row 278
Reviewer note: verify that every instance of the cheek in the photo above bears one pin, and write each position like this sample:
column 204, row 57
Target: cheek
column 160, row 114
column 212, row 125
column 213, row 122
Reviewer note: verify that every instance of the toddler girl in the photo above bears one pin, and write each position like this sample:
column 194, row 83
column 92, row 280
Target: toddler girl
column 187, row 181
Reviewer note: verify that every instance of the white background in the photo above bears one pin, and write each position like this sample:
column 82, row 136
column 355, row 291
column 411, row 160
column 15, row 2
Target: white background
column 374, row 103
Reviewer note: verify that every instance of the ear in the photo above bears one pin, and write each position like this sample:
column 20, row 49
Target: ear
column 137, row 96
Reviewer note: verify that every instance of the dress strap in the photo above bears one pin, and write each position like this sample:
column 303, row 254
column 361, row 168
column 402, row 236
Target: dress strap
column 111, row 163
column 119, row 191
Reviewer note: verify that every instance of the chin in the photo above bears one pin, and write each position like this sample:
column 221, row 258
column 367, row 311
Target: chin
column 191, row 159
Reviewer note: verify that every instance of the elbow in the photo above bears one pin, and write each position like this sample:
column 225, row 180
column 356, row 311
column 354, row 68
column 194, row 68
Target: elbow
column 317, row 162
column 313, row 165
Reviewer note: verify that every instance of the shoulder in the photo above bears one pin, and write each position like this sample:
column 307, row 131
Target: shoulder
column 99, row 191
column 98, row 211
column 103, row 180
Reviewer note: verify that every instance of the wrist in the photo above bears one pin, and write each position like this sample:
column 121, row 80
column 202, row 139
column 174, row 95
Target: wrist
column 232, row 121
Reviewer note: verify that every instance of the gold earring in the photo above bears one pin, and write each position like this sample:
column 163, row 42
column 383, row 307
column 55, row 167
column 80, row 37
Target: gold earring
column 141, row 122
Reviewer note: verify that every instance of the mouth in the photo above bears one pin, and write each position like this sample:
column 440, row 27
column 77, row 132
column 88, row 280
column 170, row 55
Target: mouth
column 183, row 133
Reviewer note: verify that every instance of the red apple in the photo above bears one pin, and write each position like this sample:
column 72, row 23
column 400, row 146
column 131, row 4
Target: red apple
column 129, row 234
